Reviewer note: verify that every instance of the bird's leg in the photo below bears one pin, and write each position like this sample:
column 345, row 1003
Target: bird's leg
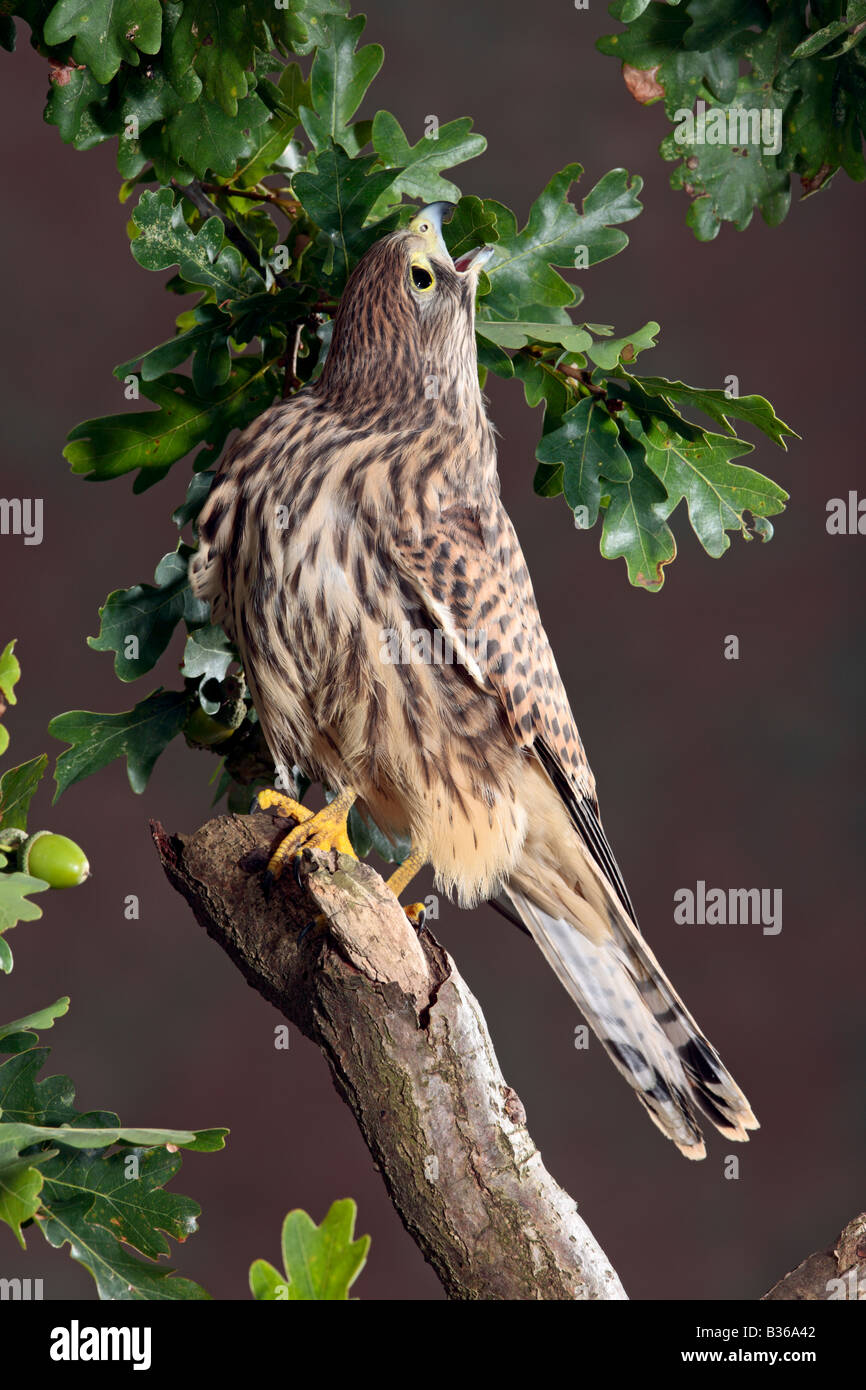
column 325, row 830
column 401, row 878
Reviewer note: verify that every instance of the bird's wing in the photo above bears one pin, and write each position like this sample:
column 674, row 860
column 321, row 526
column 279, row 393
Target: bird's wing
column 472, row 575
column 474, row 583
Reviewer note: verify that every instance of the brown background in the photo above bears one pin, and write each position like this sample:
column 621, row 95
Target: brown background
column 743, row 773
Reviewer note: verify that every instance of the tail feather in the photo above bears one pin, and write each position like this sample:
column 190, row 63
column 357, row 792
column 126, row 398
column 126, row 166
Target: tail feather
column 646, row 1030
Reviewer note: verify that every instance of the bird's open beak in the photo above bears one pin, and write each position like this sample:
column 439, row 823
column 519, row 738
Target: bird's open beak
column 428, row 224
column 476, row 259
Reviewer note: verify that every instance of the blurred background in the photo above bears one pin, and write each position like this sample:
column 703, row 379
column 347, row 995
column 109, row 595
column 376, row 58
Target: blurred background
column 743, row 773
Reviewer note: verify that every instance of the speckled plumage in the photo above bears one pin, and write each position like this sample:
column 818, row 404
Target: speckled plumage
column 369, row 504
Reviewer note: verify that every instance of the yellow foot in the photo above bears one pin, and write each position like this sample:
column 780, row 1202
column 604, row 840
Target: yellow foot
column 325, row 830
column 272, row 800
column 417, row 914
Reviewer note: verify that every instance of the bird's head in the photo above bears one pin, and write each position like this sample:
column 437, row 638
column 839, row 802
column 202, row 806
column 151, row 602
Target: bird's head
column 404, row 332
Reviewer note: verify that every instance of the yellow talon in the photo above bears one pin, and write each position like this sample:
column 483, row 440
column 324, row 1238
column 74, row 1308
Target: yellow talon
column 270, row 799
column 326, row 829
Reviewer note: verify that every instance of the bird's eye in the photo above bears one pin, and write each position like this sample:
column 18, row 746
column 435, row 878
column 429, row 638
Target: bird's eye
column 422, row 228
column 421, row 278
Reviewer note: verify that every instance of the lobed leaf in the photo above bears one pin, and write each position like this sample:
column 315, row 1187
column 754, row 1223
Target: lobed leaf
column 17, row 788
column 148, row 614
column 139, row 735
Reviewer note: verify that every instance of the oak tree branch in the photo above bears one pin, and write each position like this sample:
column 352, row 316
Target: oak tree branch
column 409, row 1052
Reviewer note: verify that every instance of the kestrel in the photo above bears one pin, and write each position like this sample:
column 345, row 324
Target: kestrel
column 368, row 505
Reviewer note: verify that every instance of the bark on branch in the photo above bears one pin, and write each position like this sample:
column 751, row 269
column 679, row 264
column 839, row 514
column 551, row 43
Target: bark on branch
column 837, row 1273
column 408, row 1050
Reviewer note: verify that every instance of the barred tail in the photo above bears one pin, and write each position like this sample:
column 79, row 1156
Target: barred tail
column 644, row 1027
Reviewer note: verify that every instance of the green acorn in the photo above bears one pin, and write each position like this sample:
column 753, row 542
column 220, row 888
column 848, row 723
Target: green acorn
column 55, row 858
column 203, row 730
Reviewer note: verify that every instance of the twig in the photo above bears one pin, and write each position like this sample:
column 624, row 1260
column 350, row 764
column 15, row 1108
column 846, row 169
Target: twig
column 259, row 194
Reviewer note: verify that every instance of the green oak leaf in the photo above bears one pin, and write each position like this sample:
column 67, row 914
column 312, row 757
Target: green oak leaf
column 266, row 314
column 81, row 110
column 339, row 78
column 473, row 223
column 83, row 1136
column 197, row 493
column 96, row 1201
column 548, row 480
column 200, row 137
column 628, row 10
column 555, row 234
column 491, row 357
column 134, row 1210
column 139, row 735
column 17, row 787
column 207, row 339
column 202, row 257
column 302, row 24
column 609, row 353
column 649, row 407
column 712, row 21
column 25, row 1099
column 107, row 32
column 41, row 1018
column 15, row 906
column 266, row 1283
column 635, row 526
column 824, row 125
column 208, row 654
column 728, row 181
column 218, row 43
column 142, row 619
column 587, row 445
column 656, row 38
column 321, row 1262
column 154, row 440
column 615, row 198
column 290, row 94
column 511, row 333
column 20, row 1193
column 423, row 162
column 717, row 492
column 118, row 1274
column 852, row 23
column 754, row 410
column 542, row 382
column 339, row 196
column 10, row 674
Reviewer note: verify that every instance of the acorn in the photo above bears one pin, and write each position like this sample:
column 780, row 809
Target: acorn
column 56, row 859
column 203, row 730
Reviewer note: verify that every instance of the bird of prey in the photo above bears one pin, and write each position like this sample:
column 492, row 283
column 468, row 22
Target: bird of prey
column 368, row 505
